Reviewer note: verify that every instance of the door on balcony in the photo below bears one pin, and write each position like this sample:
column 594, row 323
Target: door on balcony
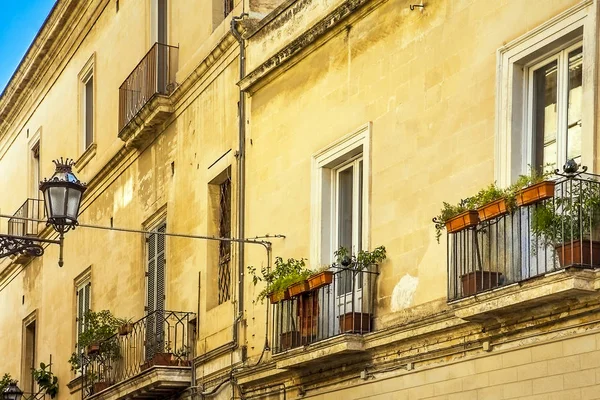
column 155, row 292
column 159, row 35
column 348, row 216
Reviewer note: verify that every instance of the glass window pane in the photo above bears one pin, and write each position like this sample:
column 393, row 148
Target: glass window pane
column 89, row 112
column 57, row 200
column 345, row 183
column 575, row 90
column 73, row 203
column 545, row 114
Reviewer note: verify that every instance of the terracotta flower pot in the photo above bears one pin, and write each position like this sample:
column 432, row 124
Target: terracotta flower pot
column 493, row 209
column 276, row 297
column 478, row 281
column 298, row 288
column 321, row 279
column 462, row 221
column 578, row 253
column 533, row 194
column 355, row 322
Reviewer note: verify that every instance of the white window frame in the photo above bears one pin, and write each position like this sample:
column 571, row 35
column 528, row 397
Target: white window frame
column 325, row 164
column 512, row 104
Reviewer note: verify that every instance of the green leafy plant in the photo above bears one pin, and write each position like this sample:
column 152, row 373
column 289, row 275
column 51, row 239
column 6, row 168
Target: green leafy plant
column 283, row 275
column 535, row 176
column 46, row 380
column 4, row 382
column 573, row 214
column 100, row 328
column 362, row 260
column 450, row 211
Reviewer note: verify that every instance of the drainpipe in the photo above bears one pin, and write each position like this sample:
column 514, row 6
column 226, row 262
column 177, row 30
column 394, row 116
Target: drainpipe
column 241, row 172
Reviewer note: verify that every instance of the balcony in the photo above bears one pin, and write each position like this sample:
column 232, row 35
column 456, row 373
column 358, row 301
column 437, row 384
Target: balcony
column 150, row 359
column 538, row 252
column 144, row 96
column 327, row 321
column 31, row 209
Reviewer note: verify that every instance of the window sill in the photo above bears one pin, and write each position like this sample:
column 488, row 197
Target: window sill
column 507, row 301
column 75, row 384
column 86, row 157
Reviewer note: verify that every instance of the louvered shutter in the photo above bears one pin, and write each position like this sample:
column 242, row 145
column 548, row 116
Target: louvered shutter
column 156, row 293
column 80, row 311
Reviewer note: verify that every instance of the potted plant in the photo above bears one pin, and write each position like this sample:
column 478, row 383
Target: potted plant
column 455, row 218
column 180, row 356
column 285, row 274
column 46, row 380
column 535, row 187
column 570, row 222
column 357, row 321
column 98, row 338
column 493, row 201
column 126, row 326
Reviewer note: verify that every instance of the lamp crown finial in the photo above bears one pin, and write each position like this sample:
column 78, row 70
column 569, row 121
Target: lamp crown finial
column 64, row 164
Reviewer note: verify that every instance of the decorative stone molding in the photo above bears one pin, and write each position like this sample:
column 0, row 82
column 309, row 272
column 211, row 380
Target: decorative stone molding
column 144, row 126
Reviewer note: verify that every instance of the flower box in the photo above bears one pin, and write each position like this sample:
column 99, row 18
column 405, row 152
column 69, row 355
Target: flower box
column 319, row 280
column 533, row 194
column 280, row 295
column 492, row 210
column 298, row 288
column 462, row 221
column 126, row 329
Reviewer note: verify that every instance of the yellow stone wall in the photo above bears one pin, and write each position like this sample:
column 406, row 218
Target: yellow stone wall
column 425, row 81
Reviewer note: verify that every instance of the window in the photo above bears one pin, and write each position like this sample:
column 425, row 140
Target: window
column 545, row 100
column 555, row 87
column 35, row 171
column 348, row 213
column 83, row 295
column 155, row 291
column 340, row 196
column 225, row 247
column 88, row 111
column 87, row 104
column 159, row 21
column 29, row 360
column 219, row 252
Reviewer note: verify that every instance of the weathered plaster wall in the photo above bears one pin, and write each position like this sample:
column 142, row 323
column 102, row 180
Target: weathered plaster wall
column 427, row 82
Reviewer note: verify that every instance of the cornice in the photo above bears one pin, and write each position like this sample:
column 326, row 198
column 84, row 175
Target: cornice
column 306, row 42
column 51, row 50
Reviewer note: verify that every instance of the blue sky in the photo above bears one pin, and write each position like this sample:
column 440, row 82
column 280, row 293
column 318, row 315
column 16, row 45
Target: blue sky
column 19, row 23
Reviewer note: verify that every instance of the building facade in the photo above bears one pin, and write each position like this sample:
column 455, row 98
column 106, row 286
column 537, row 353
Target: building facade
column 218, row 135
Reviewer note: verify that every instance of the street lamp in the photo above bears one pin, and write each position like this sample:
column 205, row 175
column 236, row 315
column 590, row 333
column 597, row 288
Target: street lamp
column 12, row 392
column 62, row 198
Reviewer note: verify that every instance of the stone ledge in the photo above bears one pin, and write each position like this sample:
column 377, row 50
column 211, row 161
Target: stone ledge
column 320, row 352
column 156, row 382
column 144, row 125
column 569, row 284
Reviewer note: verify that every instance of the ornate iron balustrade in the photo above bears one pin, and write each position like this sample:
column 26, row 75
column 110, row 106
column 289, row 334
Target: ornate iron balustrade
column 558, row 232
column 344, row 305
column 161, row 338
column 32, row 209
column 154, row 75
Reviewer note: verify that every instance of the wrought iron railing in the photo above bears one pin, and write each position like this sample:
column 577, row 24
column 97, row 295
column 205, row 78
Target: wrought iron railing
column 560, row 231
column 31, row 209
column 34, row 396
column 161, row 338
column 343, row 305
column 154, row 75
